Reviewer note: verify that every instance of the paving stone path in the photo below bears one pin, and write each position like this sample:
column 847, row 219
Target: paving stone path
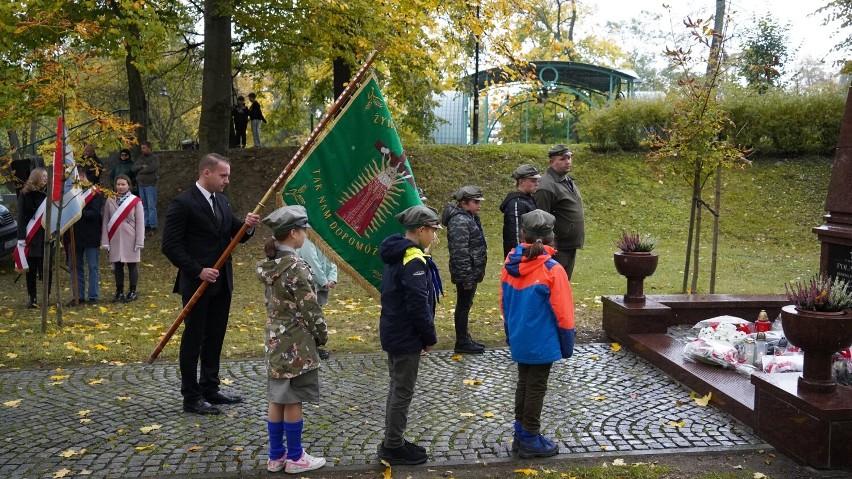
column 600, row 400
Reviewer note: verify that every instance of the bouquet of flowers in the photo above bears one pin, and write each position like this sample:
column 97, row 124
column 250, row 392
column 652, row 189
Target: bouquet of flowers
column 726, row 332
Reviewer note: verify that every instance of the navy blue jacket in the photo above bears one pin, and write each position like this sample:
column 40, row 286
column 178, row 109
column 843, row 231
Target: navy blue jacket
column 407, row 321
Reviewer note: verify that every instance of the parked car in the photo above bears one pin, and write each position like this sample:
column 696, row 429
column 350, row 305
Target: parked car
column 8, row 225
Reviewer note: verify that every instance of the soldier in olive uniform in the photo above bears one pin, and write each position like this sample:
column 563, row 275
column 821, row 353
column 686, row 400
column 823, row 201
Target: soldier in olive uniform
column 295, row 329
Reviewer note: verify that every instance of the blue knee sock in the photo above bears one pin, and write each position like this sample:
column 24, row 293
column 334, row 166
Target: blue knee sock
column 294, row 439
column 276, row 439
column 518, row 428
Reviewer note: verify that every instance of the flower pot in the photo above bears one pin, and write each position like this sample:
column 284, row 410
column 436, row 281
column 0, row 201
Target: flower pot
column 636, row 266
column 819, row 334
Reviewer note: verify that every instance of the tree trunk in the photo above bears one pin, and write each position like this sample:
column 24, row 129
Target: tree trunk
column 342, row 73
column 14, row 143
column 216, row 82
column 716, row 43
column 136, row 89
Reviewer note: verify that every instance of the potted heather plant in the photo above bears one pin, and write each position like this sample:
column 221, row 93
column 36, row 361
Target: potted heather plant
column 636, row 262
column 819, row 322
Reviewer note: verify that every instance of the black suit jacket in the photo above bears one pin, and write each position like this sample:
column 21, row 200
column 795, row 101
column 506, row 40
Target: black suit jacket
column 193, row 239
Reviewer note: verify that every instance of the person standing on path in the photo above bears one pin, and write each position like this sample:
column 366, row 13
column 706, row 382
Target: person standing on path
column 31, row 233
column 538, row 316
column 409, row 291
column 517, row 203
column 468, row 257
column 199, row 227
column 256, row 116
column 558, row 195
column 323, row 273
column 147, row 169
column 240, row 114
column 295, row 329
column 123, row 236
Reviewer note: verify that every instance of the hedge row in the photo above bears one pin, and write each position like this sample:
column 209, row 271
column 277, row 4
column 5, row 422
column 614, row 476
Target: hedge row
column 775, row 123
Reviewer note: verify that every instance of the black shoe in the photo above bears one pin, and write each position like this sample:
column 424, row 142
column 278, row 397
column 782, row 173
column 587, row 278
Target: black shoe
column 411, row 445
column 323, row 354
column 201, row 407
column 475, row 342
column 402, row 456
column 219, row 398
column 131, row 296
column 93, row 301
column 74, row 302
column 119, row 298
column 32, row 304
column 468, row 348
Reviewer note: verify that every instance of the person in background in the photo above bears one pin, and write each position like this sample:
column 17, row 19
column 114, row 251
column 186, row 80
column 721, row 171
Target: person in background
column 468, row 257
column 538, row 316
column 323, row 273
column 31, row 236
column 87, row 241
column 295, row 329
column 256, row 116
column 123, row 236
column 147, row 169
column 240, row 114
column 199, row 227
column 124, row 166
column 410, row 288
column 90, row 165
column 559, row 195
column 517, row 203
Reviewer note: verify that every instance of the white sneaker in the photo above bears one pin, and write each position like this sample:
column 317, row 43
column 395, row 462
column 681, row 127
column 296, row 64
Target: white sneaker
column 304, row 464
column 275, row 465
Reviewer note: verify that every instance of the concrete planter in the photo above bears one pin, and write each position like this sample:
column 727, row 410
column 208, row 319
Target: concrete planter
column 820, row 335
column 636, row 266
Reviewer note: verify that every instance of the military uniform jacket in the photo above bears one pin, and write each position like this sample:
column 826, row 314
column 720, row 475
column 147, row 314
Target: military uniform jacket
column 565, row 203
column 466, row 242
column 295, row 325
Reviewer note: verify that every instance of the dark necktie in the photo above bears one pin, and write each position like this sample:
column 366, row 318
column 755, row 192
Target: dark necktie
column 569, row 183
column 215, row 206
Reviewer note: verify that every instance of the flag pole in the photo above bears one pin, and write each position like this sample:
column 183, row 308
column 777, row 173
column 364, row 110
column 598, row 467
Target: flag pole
column 297, row 159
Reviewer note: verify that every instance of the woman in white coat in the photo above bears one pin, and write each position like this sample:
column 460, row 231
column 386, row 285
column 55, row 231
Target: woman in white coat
column 123, row 235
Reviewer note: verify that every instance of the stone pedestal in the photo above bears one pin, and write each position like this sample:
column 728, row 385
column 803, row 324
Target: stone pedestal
column 812, row 428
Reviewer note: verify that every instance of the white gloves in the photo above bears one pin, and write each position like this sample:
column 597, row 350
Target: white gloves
column 139, row 247
column 22, row 243
column 105, row 246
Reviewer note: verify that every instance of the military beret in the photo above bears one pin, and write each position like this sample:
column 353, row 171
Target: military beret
column 287, row 218
column 559, row 150
column 525, row 171
column 420, row 215
column 538, row 223
column 469, row 192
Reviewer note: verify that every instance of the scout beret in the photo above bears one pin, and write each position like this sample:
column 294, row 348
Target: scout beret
column 538, row 223
column 558, row 150
column 525, row 171
column 469, row 192
column 420, row 215
column 287, row 218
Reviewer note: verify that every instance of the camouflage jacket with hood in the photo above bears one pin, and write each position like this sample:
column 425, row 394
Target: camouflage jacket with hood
column 295, row 325
column 466, row 242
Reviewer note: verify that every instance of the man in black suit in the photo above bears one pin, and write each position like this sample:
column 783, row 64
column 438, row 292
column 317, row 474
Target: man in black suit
column 199, row 226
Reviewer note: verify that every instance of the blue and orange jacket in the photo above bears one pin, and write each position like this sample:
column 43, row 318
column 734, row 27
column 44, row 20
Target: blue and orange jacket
column 537, row 306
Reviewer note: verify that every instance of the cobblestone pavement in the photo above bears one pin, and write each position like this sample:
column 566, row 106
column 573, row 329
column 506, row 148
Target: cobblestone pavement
column 600, row 400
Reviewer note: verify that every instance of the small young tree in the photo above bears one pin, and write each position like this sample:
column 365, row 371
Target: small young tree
column 765, row 52
column 694, row 141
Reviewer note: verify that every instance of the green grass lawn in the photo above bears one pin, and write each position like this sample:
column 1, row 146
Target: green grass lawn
column 768, row 210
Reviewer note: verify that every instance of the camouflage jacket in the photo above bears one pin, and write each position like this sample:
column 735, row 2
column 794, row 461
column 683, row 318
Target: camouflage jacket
column 466, row 242
column 295, row 325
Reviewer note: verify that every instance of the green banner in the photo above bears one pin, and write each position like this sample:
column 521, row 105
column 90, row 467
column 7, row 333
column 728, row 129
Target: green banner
column 353, row 182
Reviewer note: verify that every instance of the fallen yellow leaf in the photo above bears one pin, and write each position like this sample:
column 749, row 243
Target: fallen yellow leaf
column 72, row 452
column 101, row 347
column 92, row 382
column 15, row 403
column 102, row 309
column 148, row 429
column 85, row 420
column 759, row 475
column 615, row 347
column 527, row 472
column 677, row 424
column 594, row 357
column 122, row 398
column 466, row 414
column 618, row 462
column 59, row 377
column 387, row 473
column 84, row 412
column 488, row 414
column 355, row 338
column 226, row 381
column 472, row 382
column 61, row 473
column 144, row 448
column 195, row 448
column 456, row 357
column 11, row 355
column 598, row 398
column 701, row 400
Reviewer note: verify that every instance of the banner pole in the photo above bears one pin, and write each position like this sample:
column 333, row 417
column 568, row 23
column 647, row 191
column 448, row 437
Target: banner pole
column 297, row 159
